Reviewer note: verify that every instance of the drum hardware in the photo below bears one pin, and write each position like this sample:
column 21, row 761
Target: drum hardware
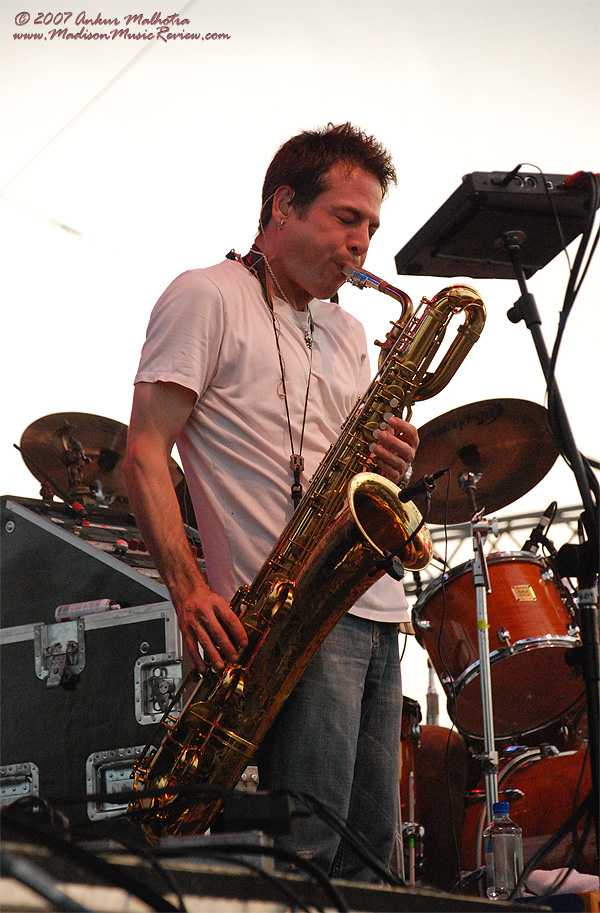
column 504, row 636
column 413, row 835
column 471, row 877
column 410, row 832
column 548, row 751
column 432, row 697
column 78, row 458
column 588, row 561
column 477, row 796
column 480, row 529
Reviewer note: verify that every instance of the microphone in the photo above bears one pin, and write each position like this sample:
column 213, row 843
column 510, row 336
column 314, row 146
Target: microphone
column 538, row 532
column 424, row 486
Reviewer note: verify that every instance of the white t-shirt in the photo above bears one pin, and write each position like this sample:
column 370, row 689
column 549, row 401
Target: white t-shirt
column 212, row 332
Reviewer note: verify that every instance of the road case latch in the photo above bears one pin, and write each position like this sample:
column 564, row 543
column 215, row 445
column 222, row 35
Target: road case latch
column 59, row 651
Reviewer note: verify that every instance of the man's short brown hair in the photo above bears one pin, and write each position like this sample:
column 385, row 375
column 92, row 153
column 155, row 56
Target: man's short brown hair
column 304, row 161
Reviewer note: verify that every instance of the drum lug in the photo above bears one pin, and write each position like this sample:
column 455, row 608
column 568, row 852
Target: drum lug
column 477, row 796
column 512, row 794
column 504, row 637
column 573, row 630
column 547, row 750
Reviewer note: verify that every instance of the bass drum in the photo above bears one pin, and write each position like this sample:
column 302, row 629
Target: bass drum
column 532, row 629
column 552, row 787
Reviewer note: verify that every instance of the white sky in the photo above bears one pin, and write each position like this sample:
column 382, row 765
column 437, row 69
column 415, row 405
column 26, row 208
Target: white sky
column 151, row 156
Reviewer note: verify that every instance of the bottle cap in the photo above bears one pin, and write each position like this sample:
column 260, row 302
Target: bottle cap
column 501, row 808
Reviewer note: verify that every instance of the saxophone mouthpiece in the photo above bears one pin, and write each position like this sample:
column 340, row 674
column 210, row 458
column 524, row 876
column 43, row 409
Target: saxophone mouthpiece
column 361, row 278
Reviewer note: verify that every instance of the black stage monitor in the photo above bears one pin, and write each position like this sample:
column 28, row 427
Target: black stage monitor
column 464, row 237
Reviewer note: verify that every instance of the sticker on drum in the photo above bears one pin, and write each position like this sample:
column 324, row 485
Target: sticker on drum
column 532, row 628
column 528, row 782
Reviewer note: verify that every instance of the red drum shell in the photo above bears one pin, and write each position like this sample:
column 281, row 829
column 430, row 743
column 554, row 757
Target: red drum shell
column 552, row 788
column 532, row 685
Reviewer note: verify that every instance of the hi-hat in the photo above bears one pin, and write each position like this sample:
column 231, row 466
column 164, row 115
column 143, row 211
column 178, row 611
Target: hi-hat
column 507, row 441
column 81, row 456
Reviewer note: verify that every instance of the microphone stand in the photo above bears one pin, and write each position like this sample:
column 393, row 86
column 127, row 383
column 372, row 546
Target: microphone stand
column 525, row 309
column 481, row 581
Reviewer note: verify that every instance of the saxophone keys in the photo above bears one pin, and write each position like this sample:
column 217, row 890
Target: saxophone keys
column 280, row 597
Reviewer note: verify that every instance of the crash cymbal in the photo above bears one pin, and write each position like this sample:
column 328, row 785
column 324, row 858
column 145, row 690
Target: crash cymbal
column 82, row 455
column 508, row 441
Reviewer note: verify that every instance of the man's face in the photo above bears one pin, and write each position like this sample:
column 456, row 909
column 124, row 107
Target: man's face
column 334, row 231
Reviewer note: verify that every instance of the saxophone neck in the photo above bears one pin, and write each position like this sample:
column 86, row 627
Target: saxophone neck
column 363, row 279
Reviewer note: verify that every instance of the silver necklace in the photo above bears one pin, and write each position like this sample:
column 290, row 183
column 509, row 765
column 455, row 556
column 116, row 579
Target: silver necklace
column 303, row 318
column 252, row 263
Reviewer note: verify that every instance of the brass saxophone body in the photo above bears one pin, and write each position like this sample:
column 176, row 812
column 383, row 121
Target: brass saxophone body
column 331, row 551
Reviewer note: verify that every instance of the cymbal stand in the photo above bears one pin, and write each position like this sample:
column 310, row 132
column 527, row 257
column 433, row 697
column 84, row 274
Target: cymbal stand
column 480, row 528
column 525, row 309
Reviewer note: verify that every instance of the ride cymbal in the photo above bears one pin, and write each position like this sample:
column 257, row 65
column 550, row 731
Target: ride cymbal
column 507, row 441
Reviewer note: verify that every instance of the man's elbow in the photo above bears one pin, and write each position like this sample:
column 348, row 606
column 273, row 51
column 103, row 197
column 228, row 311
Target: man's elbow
column 133, row 464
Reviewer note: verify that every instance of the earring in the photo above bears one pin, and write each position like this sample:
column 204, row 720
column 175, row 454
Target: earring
column 281, row 224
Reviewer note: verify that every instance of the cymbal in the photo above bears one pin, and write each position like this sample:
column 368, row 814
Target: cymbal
column 508, row 441
column 82, row 455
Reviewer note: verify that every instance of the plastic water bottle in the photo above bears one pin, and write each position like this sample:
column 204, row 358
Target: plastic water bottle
column 503, row 842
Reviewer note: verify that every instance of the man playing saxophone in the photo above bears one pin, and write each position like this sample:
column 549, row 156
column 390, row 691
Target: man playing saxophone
column 251, row 370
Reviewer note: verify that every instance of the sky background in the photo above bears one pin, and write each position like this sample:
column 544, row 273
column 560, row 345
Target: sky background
column 126, row 161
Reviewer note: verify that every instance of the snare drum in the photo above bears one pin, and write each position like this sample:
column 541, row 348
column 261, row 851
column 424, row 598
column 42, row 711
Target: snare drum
column 532, row 628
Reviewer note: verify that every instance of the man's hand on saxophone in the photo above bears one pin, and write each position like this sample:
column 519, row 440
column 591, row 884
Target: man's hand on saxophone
column 207, row 621
column 396, row 449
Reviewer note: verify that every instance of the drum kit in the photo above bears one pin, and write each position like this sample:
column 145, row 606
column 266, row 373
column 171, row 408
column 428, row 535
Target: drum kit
column 502, row 634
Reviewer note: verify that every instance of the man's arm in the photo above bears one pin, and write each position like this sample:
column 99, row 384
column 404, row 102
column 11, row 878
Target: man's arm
column 160, row 410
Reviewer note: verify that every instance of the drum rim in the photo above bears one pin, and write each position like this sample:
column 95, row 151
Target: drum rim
column 493, row 558
column 526, row 645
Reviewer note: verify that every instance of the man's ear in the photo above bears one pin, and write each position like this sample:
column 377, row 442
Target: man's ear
column 282, row 199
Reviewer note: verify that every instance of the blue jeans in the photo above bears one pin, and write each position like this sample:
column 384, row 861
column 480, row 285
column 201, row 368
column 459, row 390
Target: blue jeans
column 337, row 739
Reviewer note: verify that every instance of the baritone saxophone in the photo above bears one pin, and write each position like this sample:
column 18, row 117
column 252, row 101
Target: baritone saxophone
column 336, row 545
